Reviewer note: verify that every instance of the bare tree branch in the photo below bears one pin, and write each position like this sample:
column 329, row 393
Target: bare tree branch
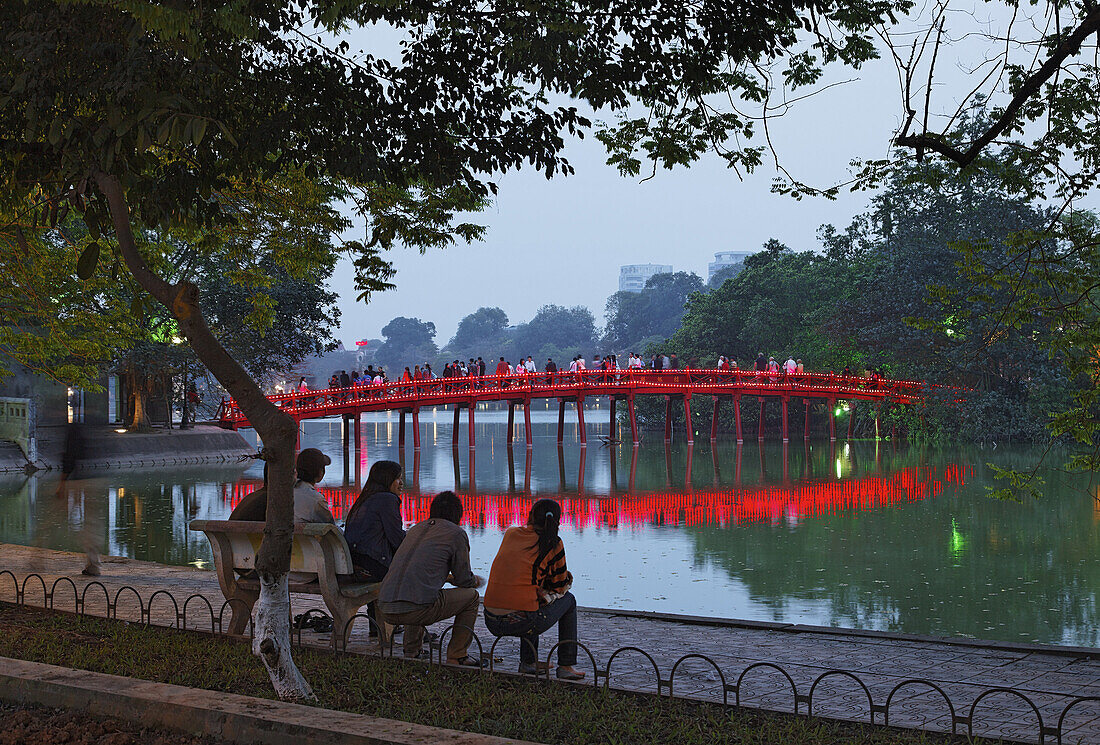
column 1031, row 86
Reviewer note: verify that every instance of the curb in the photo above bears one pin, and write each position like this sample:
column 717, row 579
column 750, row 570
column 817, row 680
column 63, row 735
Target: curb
column 235, row 718
column 1089, row 653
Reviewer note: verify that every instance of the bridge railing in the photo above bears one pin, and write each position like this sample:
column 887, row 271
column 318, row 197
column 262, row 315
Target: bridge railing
column 599, row 382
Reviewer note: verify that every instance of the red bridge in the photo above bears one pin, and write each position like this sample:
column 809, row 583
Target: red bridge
column 408, row 397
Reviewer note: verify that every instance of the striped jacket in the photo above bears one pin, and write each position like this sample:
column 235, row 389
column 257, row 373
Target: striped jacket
column 518, row 580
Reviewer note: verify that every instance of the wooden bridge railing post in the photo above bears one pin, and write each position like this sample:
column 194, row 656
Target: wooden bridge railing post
column 580, row 422
column 633, row 421
column 687, row 419
column 737, row 417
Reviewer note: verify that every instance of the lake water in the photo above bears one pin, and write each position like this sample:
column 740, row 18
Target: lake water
column 861, row 534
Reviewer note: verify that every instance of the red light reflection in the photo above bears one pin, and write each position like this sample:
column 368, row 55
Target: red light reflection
column 764, row 503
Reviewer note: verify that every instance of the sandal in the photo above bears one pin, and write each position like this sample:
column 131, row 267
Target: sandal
column 321, row 624
column 469, row 661
column 537, row 668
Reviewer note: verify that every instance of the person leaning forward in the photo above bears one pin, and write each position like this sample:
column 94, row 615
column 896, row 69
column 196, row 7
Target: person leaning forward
column 434, row 551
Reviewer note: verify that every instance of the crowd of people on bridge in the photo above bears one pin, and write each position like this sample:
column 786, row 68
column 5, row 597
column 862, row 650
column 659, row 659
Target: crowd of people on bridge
column 459, row 373
column 528, row 589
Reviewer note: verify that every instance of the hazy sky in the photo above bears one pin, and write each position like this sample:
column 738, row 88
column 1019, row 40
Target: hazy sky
column 562, row 241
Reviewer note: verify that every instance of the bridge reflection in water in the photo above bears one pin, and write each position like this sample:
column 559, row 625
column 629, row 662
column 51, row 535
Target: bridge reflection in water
column 790, row 501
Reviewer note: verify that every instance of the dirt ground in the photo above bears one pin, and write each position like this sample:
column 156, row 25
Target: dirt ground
column 22, row 725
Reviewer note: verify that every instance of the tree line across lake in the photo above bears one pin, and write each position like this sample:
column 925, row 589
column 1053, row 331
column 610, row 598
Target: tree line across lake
column 887, row 291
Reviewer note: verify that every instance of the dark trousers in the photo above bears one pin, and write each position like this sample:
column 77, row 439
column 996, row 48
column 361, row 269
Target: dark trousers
column 527, row 625
column 368, row 569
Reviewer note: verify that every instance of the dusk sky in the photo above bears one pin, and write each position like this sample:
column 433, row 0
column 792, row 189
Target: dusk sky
column 562, row 241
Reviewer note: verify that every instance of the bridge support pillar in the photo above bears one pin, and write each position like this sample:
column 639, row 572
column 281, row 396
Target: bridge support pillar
column 454, row 429
column 737, row 418
column 760, row 427
column 580, row 424
column 687, row 420
column 806, row 431
column 358, row 432
column 714, row 420
column 668, row 418
column 470, row 420
column 527, row 436
column 561, row 421
column 416, row 428
column 401, row 430
column 785, row 401
column 511, row 422
column 611, row 427
column 831, row 404
column 633, row 424
column 851, row 420
column 346, row 420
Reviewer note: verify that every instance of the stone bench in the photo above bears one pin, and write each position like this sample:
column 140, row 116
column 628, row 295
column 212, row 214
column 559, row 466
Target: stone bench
column 319, row 549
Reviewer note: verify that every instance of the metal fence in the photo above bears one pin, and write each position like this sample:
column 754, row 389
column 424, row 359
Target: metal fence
column 96, row 596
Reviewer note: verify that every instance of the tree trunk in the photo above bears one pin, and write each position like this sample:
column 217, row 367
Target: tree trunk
column 140, row 393
column 271, row 640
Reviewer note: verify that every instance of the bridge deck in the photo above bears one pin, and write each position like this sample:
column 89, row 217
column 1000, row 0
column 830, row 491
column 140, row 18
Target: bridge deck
column 619, row 384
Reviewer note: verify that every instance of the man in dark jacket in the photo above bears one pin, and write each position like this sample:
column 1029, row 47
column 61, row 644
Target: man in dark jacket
column 435, row 551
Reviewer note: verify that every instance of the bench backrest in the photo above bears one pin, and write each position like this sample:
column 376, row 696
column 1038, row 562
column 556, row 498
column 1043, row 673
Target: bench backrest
column 236, row 543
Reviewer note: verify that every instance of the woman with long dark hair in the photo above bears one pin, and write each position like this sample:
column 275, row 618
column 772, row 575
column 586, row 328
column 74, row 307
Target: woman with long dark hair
column 528, row 590
column 373, row 526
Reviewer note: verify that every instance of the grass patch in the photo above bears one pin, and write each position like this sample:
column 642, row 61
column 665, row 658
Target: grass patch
column 412, row 692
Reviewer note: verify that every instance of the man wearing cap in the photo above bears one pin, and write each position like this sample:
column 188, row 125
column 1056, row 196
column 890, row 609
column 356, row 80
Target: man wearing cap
column 309, row 504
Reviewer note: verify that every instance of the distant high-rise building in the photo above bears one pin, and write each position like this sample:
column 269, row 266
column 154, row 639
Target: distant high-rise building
column 722, row 259
column 632, row 277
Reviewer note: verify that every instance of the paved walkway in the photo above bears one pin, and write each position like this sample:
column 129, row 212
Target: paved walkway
column 1050, row 678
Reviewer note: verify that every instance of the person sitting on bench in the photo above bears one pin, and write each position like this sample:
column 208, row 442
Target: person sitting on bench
column 434, row 551
column 528, row 591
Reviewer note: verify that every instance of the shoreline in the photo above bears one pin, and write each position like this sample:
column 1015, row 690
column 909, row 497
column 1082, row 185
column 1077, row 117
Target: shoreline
column 107, row 448
column 835, row 673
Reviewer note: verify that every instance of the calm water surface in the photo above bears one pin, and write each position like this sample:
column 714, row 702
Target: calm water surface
column 851, row 534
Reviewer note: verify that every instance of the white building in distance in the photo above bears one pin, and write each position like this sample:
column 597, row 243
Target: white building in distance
column 632, row 277
column 722, row 259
